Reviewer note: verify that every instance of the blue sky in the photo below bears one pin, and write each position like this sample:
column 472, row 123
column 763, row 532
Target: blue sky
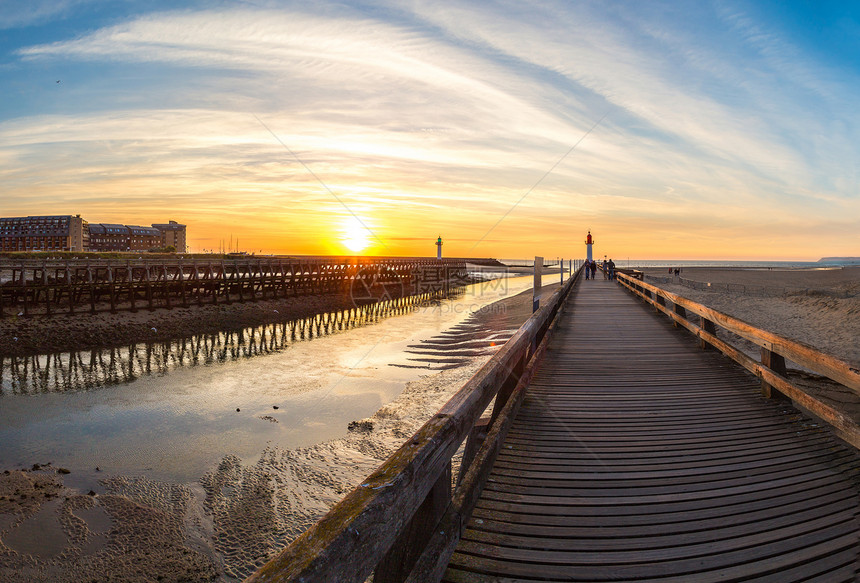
column 723, row 129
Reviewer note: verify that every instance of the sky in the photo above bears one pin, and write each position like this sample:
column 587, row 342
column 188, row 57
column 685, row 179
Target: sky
column 670, row 130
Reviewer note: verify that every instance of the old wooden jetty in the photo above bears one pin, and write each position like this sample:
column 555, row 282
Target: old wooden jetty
column 51, row 286
column 618, row 448
column 93, row 368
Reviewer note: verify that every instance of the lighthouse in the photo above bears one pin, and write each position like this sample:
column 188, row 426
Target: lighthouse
column 588, row 243
column 439, row 248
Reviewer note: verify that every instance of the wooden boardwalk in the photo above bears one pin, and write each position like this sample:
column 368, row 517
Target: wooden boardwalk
column 636, row 456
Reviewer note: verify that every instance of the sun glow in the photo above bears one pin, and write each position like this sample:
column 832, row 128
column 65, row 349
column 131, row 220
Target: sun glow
column 356, row 237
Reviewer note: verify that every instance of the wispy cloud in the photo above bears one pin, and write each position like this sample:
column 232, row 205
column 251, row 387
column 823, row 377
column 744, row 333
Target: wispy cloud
column 448, row 109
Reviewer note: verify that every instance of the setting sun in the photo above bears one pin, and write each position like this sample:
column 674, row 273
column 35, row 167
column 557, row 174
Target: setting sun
column 355, row 236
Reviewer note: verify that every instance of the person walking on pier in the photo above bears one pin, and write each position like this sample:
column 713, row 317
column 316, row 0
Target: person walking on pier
column 587, row 269
column 593, row 268
column 610, row 268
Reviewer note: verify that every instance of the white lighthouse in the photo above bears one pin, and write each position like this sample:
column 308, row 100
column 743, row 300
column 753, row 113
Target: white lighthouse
column 439, row 247
column 588, row 243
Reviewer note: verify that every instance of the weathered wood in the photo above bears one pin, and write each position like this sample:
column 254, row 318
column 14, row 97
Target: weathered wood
column 71, row 290
column 181, row 276
column 475, row 439
column 47, row 291
column 681, row 313
column 165, row 287
column 163, row 282
column 513, row 378
column 92, row 286
column 399, row 560
column 434, row 559
column 775, row 363
column 707, row 326
column 349, row 541
column 619, row 468
column 536, row 287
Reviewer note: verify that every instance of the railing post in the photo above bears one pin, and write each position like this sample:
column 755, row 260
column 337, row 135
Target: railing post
column 397, row 563
column 776, row 363
column 538, row 283
column 708, row 327
column 679, row 310
column 473, row 443
column 510, row 383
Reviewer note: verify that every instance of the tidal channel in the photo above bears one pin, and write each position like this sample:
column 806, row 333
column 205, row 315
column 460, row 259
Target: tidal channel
column 170, row 411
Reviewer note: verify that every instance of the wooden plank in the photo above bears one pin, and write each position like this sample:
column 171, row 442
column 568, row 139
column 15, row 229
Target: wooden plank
column 621, row 468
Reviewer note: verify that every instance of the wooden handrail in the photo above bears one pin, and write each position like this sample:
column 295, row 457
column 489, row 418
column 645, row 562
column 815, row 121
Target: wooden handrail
column 774, row 348
column 349, row 542
column 432, row 563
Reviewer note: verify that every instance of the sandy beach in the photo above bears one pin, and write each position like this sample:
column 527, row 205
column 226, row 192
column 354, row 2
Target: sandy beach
column 238, row 514
column 818, row 307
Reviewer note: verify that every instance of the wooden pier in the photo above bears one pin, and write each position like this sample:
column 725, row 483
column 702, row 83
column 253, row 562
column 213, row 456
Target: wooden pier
column 68, row 286
column 619, row 448
column 636, row 456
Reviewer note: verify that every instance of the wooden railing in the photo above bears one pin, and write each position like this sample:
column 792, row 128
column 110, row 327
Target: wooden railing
column 775, row 350
column 402, row 522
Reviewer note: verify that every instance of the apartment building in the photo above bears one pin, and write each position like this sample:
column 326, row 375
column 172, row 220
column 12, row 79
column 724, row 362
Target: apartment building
column 172, row 233
column 44, row 233
column 108, row 237
column 72, row 233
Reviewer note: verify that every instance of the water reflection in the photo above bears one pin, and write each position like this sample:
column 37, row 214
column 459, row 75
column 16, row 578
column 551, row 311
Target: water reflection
column 91, row 369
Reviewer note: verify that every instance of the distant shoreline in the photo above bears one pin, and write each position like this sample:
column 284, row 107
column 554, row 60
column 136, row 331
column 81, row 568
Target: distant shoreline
column 849, row 260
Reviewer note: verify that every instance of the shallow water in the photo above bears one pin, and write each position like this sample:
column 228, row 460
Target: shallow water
column 177, row 421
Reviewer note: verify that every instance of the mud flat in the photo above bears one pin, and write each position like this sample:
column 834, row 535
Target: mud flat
column 229, row 522
column 132, row 532
column 66, row 333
